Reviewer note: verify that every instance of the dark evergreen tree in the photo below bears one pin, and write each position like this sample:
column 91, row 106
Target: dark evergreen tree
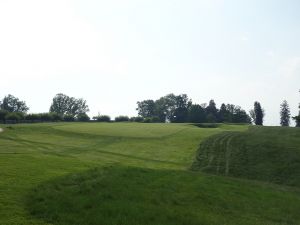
column 196, row 114
column 297, row 120
column 211, row 108
column 222, row 113
column 258, row 114
column 285, row 114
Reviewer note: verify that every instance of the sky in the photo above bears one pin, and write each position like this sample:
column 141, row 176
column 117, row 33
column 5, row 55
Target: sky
column 115, row 53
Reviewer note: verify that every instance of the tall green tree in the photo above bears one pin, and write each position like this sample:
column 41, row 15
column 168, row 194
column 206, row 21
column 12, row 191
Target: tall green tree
column 233, row 114
column 60, row 104
column 211, row 108
column 297, row 120
column 240, row 116
column 285, row 114
column 173, row 108
column 257, row 114
column 146, row 108
column 161, row 109
column 181, row 111
column 65, row 105
column 196, row 114
column 11, row 103
column 211, row 112
column 222, row 113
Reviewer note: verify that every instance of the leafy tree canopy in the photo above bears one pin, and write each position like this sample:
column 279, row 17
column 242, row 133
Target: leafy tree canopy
column 12, row 104
column 65, row 105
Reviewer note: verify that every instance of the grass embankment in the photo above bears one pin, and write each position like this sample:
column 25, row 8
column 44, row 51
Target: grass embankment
column 126, row 173
column 269, row 154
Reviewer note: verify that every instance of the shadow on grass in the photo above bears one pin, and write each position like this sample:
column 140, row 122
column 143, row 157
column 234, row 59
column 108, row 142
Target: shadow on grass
column 133, row 196
column 207, row 125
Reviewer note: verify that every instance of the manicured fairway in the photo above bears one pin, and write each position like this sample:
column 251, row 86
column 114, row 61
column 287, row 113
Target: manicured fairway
column 127, row 174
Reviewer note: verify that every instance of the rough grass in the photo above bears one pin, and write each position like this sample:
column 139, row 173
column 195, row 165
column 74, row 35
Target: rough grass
column 63, row 174
column 269, row 154
column 133, row 196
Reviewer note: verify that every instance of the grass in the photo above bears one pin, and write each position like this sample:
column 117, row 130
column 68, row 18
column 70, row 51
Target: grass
column 127, row 173
column 269, row 154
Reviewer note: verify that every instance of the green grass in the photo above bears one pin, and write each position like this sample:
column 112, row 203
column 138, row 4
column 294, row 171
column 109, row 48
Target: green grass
column 127, row 173
column 269, row 154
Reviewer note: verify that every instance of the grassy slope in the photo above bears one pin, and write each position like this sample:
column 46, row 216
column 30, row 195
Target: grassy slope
column 48, row 176
column 269, row 154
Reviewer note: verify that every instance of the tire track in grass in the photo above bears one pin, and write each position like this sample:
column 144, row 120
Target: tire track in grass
column 214, row 153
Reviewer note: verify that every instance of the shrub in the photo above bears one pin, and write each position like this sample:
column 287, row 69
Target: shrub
column 33, row 117
column 122, row 119
column 297, row 120
column 55, row 117
column 153, row 119
column 103, row 118
column 14, row 116
column 46, row 117
column 3, row 113
column 83, row 117
column 138, row 119
column 68, row 118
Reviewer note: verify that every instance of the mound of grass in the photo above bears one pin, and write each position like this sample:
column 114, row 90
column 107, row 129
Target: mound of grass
column 124, row 129
column 134, row 196
column 47, row 177
column 269, row 154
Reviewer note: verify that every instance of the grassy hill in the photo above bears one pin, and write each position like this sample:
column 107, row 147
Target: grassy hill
column 269, row 154
column 129, row 173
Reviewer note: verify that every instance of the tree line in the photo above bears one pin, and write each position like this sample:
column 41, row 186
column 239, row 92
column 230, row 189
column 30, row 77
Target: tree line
column 181, row 109
column 170, row 108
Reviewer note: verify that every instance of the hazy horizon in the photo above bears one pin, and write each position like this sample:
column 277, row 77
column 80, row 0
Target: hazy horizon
column 115, row 53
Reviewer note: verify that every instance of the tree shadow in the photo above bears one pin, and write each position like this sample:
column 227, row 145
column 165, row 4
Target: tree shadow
column 206, row 125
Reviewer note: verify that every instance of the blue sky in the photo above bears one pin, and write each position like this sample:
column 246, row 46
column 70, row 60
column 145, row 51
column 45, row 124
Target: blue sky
column 114, row 53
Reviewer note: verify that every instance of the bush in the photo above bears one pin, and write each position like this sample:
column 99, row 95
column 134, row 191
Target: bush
column 83, row 117
column 153, row 119
column 14, row 116
column 137, row 119
column 122, row 119
column 55, row 117
column 103, row 118
column 3, row 113
column 33, row 117
column 211, row 118
column 297, row 120
column 45, row 117
column 68, row 118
